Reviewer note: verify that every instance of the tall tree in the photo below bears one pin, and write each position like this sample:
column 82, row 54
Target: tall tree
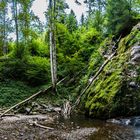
column 95, row 16
column 52, row 40
column 119, row 17
column 25, row 19
column 71, row 21
column 15, row 16
column 4, row 25
column 60, row 13
column 82, row 21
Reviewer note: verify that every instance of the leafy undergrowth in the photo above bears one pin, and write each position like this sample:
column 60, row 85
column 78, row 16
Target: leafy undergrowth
column 12, row 92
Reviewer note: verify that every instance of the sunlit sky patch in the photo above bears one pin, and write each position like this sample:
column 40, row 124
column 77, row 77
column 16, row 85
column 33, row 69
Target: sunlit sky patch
column 40, row 6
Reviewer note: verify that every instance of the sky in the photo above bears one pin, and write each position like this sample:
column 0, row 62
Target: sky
column 40, row 6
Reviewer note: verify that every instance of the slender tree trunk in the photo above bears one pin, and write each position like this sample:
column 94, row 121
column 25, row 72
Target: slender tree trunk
column 4, row 33
column 89, row 7
column 130, row 7
column 52, row 43
column 15, row 12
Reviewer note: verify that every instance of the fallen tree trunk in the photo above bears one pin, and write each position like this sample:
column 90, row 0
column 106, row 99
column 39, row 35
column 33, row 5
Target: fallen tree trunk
column 24, row 101
column 93, row 79
column 42, row 126
column 29, row 98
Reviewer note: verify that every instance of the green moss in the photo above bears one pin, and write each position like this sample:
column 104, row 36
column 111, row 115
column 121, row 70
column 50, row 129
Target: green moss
column 129, row 41
column 109, row 93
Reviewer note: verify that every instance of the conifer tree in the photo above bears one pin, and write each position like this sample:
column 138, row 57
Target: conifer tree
column 71, row 21
column 119, row 16
column 4, row 21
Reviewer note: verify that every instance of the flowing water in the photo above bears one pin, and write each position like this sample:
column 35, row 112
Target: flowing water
column 77, row 127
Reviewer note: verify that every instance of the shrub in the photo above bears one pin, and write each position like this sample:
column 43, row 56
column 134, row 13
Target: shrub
column 38, row 48
column 37, row 71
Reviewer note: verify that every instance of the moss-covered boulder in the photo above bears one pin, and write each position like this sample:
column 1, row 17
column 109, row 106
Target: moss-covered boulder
column 116, row 92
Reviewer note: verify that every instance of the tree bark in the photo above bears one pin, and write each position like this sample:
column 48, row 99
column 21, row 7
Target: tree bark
column 4, row 48
column 15, row 13
column 52, row 41
column 4, row 42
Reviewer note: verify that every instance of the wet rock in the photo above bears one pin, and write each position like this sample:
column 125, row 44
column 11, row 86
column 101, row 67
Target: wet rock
column 135, row 121
column 27, row 110
column 135, row 50
column 34, row 113
column 36, row 105
column 135, row 54
column 133, row 85
column 50, row 108
column 136, row 59
column 21, row 134
column 114, row 121
column 133, row 74
column 120, row 121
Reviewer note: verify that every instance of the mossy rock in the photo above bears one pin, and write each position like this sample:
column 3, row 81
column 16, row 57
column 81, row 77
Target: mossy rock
column 110, row 95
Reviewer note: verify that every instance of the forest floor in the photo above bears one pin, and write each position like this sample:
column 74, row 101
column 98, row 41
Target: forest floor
column 40, row 127
column 52, row 126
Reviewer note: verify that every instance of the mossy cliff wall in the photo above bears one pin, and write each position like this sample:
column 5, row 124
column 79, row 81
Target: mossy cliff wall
column 116, row 92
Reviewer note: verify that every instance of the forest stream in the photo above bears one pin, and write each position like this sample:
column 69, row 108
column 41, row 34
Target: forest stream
column 61, row 57
column 77, row 127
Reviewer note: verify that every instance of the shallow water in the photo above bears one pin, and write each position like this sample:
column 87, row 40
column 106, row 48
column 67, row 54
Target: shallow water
column 77, row 127
column 94, row 129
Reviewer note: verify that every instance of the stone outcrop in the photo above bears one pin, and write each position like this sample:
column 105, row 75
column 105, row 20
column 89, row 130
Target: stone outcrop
column 135, row 54
column 116, row 92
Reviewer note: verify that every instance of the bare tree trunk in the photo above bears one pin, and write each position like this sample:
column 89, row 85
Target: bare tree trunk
column 4, row 48
column 4, row 33
column 15, row 12
column 52, row 43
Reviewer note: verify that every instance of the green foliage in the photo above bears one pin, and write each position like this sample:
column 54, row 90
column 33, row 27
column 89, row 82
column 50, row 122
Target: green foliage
column 38, row 48
column 12, row 92
column 110, row 95
column 120, row 17
column 104, row 89
column 37, row 70
column 71, row 22
column 18, row 52
column 34, row 70
column 92, row 36
column 74, row 50
column 81, row 50
column 27, row 63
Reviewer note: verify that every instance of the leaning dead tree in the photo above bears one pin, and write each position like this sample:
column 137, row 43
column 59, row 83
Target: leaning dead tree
column 67, row 108
column 93, row 79
column 98, row 73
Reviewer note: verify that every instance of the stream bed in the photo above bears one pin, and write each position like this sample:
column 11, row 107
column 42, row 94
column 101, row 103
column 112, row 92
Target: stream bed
column 77, row 127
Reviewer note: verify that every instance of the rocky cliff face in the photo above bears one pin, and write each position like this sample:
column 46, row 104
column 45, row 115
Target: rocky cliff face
column 116, row 92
